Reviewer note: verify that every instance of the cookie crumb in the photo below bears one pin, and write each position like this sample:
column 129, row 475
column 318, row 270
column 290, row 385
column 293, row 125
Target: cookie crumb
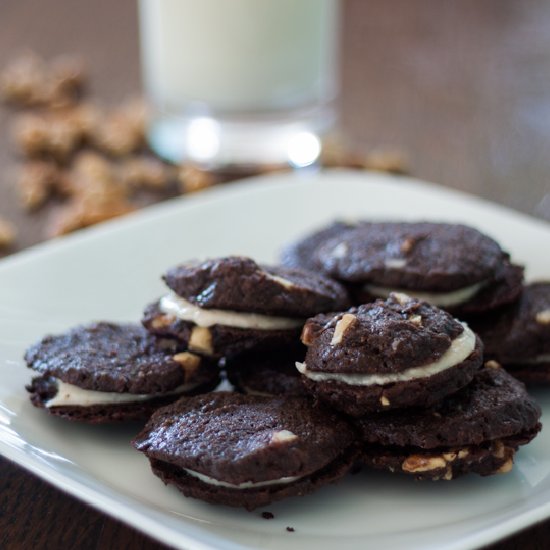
column 267, row 515
column 290, row 529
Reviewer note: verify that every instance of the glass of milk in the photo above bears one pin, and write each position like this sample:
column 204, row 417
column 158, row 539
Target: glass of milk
column 240, row 82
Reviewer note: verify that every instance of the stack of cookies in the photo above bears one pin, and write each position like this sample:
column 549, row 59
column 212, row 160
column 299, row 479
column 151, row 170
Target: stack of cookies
column 106, row 372
column 349, row 353
column 452, row 266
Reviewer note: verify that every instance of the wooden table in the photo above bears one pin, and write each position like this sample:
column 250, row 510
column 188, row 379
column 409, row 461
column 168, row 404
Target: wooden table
column 463, row 88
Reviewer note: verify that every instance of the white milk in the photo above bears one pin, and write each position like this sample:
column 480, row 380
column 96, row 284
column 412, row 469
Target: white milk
column 239, row 54
column 239, row 59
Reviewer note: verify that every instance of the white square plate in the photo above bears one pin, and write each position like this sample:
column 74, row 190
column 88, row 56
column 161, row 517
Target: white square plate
column 112, row 271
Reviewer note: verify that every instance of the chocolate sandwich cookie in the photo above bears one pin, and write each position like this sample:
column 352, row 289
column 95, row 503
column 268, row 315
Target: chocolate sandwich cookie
column 247, row 450
column 268, row 374
column 449, row 265
column 106, row 372
column 389, row 354
column 301, row 254
column 226, row 306
column 518, row 337
column 476, row 430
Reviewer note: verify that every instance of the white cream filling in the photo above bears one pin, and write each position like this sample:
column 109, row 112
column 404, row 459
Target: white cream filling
column 71, row 395
column 245, row 484
column 460, row 348
column 175, row 305
column 442, row 299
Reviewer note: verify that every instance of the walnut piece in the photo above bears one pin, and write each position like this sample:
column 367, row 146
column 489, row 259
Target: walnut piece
column 117, row 137
column 29, row 81
column 336, row 153
column 285, row 283
column 122, row 131
column 37, row 179
column 79, row 214
column 91, row 171
column 499, row 449
column 543, row 317
column 83, row 117
column 308, row 334
column 384, row 401
column 163, row 321
column 448, row 474
column 400, row 298
column 407, row 245
column 191, row 178
column 386, row 160
column 418, row 463
column 8, row 233
column 283, row 436
column 189, row 362
column 416, row 320
column 65, row 80
column 341, row 326
column 201, row 340
column 21, row 82
column 96, row 195
column 506, row 467
column 144, row 173
column 50, row 134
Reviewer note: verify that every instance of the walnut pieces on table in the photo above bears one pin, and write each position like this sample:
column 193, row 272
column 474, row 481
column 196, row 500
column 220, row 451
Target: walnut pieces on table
column 92, row 161
column 29, row 81
column 95, row 161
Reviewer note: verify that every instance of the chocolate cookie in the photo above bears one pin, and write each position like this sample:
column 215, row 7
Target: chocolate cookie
column 449, row 265
column 518, row 337
column 389, row 354
column 477, row 429
column 227, row 306
column 244, row 450
column 107, row 372
column 268, row 374
column 301, row 254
